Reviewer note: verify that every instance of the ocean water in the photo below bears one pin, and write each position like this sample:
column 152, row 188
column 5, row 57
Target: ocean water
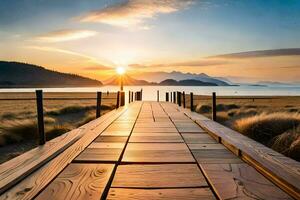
column 150, row 92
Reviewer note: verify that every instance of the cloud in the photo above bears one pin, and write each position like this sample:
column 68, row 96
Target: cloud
column 65, row 35
column 57, row 50
column 262, row 53
column 198, row 63
column 134, row 12
column 98, row 67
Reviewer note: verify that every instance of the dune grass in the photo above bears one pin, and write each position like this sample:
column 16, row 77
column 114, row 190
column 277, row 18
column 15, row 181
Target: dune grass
column 277, row 127
column 264, row 127
column 14, row 130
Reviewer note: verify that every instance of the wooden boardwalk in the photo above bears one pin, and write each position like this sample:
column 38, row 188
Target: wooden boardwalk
column 148, row 150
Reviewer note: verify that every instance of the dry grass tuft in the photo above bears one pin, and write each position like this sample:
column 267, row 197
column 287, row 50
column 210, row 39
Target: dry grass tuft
column 288, row 143
column 264, row 127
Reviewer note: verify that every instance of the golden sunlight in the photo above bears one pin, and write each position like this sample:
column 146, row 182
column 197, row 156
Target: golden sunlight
column 120, row 70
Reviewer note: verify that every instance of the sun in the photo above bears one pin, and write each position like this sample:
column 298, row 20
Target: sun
column 120, row 70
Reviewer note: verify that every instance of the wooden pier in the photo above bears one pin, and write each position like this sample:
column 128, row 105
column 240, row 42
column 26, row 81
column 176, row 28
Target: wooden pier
column 151, row 150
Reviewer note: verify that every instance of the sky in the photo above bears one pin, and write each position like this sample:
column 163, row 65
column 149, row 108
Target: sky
column 243, row 40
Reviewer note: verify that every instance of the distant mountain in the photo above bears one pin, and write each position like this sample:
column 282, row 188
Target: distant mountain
column 188, row 82
column 115, row 80
column 15, row 74
column 168, row 82
column 160, row 76
column 274, row 83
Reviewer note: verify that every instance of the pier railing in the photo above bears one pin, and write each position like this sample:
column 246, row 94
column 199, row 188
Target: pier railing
column 214, row 105
column 40, row 108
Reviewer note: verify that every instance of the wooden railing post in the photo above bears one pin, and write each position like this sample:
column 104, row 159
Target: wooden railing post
column 131, row 96
column 179, row 98
column 192, row 101
column 171, row 99
column 141, row 98
column 174, row 97
column 183, row 98
column 167, row 96
column 157, row 95
column 214, row 107
column 40, row 116
column 98, row 104
column 122, row 98
column 118, row 99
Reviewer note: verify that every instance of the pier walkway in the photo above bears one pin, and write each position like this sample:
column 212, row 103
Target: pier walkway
column 149, row 150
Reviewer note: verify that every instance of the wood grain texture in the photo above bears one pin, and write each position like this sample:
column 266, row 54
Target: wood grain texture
column 160, row 194
column 241, row 181
column 191, row 138
column 99, row 154
column 215, row 156
column 117, row 139
column 282, row 170
column 159, row 138
column 158, row 176
column 155, row 130
column 78, row 181
column 155, row 152
column 18, row 168
column 36, row 181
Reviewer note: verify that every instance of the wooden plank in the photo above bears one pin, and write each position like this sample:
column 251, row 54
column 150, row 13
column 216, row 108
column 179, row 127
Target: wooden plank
column 285, row 172
column 79, row 181
column 215, row 156
column 155, row 137
column 116, row 133
column 18, row 168
column 158, row 176
column 205, row 146
column 157, row 152
column 190, row 129
column 155, row 130
column 26, row 163
column 191, row 138
column 241, row 181
column 160, row 194
column 117, row 139
column 99, row 155
column 281, row 170
column 36, row 181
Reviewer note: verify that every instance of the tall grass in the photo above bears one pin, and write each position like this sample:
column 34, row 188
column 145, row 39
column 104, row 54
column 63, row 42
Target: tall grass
column 264, row 127
column 277, row 128
column 14, row 130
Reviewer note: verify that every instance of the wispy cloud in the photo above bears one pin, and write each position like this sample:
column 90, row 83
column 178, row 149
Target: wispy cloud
column 65, row 35
column 98, row 67
column 262, row 53
column 57, row 50
column 197, row 63
column 134, row 12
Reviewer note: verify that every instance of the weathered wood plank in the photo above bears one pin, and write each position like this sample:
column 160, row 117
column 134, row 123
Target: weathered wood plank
column 36, row 181
column 158, row 176
column 191, row 138
column 241, row 181
column 157, row 138
column 18, row 168
column 79, row 181
column 281, row 170
column 155, row 130
column 117, row 139
column 160, row 194
column 99, row 155
column 155, row 152
column 215, row 156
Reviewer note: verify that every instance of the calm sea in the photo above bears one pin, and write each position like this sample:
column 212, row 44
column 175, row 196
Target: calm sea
column 149, row 92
